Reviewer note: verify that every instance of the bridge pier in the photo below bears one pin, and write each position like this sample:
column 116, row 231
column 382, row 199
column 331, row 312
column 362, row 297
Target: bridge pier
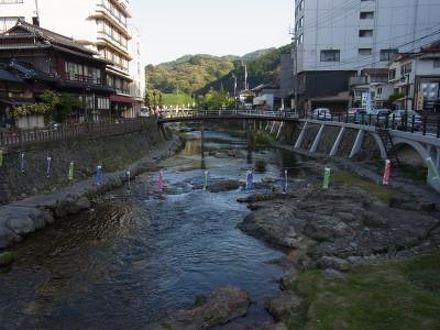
column 315, row 144
column 357, row 143
column 300, row 139
column 279, row 130
column 203, row 164
column 338, row 140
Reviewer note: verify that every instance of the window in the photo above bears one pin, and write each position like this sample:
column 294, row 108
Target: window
column 367, row 15
column 392, row 74
column 8, row 22
column 437, row 63
column 406, row 68
column 365, row 33
column 365, row 51
column 300, row 39
column 379, row 91
column 387, row 54
column 330, row 55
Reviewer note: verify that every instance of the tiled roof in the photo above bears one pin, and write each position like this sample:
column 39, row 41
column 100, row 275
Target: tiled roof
column 46, row 36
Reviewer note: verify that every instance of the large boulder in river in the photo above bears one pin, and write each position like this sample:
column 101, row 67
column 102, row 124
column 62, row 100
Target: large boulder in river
column 216, row 308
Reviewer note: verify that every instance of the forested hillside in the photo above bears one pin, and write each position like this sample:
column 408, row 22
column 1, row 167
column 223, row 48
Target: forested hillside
column 175, row 82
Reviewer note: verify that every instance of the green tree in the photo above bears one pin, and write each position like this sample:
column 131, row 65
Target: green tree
column 67, row 106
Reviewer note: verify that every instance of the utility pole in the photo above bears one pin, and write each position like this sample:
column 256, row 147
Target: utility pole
column 36, row 18
column 246, row 87
column 235, row 90
column 295, row 68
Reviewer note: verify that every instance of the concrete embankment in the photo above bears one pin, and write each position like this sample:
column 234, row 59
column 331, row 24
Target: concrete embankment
column 27, row 215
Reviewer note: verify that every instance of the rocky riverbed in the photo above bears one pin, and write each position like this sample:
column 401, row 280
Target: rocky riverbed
column 333, row 230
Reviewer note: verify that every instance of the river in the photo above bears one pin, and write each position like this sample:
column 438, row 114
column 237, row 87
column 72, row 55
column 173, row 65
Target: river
column 142, row 253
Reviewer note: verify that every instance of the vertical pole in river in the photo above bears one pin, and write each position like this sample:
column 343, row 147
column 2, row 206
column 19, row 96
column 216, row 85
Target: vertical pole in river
column 203, row 165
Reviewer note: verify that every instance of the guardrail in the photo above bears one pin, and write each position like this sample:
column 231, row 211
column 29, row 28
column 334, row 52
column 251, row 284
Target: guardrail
column 9, row 138
column 413, row 124
column 170, row 114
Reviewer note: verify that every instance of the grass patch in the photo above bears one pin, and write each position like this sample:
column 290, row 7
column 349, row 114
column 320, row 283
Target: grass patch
column 382, row 192
column 395, row 295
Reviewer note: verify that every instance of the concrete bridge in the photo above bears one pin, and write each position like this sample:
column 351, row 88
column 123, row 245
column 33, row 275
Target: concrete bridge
column 389, row 139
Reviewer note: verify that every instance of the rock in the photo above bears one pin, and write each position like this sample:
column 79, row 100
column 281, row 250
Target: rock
column 224, row 186
column 285, row 306
column 334, row 263
column 272, row 326
column 375, row 220
column 327, row 229
column 5, row 194
column 7, row 258
column 412, row 204
column 332, row 274
column 264, row 197
column 21, row 223
column 287, row 282
column 70, row 206
column 216, row 308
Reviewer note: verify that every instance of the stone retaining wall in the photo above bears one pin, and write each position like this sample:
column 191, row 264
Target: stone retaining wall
column 113, row 153
column 28, row 215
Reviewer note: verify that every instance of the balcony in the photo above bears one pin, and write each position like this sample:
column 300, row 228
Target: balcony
column 358, row 81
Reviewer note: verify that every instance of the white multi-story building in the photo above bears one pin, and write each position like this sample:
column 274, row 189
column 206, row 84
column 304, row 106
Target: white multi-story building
column 137, row 72
column 101, row 25
column 335, row 39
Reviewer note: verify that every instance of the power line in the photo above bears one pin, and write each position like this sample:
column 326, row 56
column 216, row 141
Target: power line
column 366, row 58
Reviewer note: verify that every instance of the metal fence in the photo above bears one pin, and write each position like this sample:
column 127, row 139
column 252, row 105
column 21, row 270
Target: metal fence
column 413, row 123
column 100, row 129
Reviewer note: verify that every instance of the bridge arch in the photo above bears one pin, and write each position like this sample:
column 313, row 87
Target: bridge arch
column 418, row 147
column 380, row 145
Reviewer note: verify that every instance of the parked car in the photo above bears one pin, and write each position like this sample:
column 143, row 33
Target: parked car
column 405, row 119
column 144, row 112
column 322, row 114
column 378, row 116
column 355, row 115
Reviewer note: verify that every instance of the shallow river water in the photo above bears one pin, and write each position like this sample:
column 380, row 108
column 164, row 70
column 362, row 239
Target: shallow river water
column 141, row 253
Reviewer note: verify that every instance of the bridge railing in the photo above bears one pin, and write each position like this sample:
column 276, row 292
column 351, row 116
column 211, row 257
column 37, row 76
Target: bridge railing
column 170, row 114
column 413, row 123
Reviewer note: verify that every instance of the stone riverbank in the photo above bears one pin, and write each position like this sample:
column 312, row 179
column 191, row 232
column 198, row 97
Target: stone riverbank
column 355, row 222
column 31, row 214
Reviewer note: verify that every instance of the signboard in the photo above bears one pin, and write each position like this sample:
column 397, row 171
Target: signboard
column 420, row 101
column 366, row 101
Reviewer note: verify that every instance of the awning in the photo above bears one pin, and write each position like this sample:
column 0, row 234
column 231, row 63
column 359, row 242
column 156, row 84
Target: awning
column 121, row 99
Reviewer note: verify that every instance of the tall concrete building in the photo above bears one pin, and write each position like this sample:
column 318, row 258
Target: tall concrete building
column 335, row 39
column 101, row 25
column 137, row 69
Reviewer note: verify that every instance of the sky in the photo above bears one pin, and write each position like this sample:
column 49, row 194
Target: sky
column 173, row 28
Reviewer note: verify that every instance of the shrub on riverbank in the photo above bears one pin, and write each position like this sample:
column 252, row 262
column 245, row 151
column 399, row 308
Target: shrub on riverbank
column 7, row 258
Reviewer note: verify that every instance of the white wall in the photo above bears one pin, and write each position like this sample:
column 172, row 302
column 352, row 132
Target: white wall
column 69, row 19
column 137, row 65
column 335, row 24
column 8, row 12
